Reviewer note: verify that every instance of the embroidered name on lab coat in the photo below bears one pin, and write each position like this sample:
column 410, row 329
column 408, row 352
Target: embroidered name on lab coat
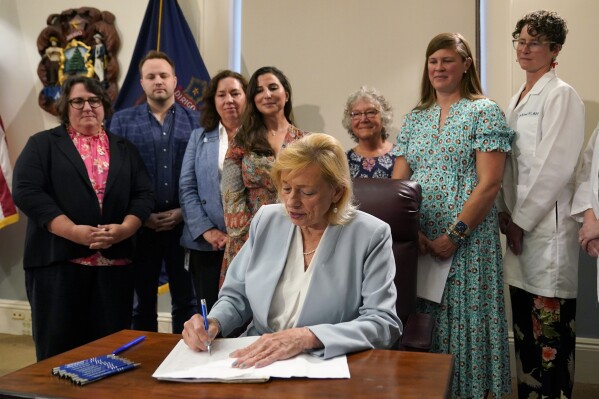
column 530, row 113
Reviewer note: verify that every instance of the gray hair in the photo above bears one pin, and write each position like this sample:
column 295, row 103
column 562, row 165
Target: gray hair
column 375, row 98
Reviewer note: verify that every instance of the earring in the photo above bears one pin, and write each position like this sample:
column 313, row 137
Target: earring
column 335, row 210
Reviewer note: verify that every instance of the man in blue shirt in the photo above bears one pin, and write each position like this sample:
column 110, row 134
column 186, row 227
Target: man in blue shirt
column 160, row 129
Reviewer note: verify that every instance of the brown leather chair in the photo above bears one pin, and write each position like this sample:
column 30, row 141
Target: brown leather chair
column 397, row 202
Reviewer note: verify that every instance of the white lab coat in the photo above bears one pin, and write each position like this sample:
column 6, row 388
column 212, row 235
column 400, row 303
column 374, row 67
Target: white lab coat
column 587, row 185
column 538, row 186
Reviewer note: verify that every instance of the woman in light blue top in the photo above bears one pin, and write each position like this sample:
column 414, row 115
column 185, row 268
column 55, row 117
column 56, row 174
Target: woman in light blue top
column 315, row 275
column 204, row 234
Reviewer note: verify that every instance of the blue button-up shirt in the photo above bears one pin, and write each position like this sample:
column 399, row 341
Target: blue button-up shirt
column 167, row 196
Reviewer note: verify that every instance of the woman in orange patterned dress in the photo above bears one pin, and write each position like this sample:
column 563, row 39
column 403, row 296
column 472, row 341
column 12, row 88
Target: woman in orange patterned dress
column 266, row 128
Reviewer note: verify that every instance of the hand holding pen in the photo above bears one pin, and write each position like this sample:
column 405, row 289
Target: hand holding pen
column 195, row 334
column 203, row 306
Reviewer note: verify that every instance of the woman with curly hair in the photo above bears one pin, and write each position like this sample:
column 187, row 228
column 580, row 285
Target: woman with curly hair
column 367, row 117
column 541, row 263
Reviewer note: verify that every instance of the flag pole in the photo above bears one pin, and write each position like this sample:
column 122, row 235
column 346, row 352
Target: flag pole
column 159, row 26
column 235, row 36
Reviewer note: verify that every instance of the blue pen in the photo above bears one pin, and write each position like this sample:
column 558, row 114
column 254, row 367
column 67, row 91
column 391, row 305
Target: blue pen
column 129, row 345
column 203, row 306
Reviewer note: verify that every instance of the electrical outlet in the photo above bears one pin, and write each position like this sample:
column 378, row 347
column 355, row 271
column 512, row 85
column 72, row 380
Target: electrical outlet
column 18, row 315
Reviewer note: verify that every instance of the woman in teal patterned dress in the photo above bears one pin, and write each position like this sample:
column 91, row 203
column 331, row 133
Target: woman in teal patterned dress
column 454, row 144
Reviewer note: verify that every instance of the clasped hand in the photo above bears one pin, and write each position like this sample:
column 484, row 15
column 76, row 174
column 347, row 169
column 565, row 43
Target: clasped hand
column 266, row 350
column 164, row 221
column 216, row 238
column 513, row 233
column 588, row 236
column 441, row 247
column 100, row 237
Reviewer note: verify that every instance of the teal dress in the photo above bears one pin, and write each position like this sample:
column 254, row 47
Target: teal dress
column 470, row 320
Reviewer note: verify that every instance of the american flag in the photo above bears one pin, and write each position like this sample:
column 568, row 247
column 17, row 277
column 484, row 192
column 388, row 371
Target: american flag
column 8, row 210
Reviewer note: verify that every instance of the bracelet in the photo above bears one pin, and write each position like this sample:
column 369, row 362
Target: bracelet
column 458, row 232
column 455, row 237
column 461, row 228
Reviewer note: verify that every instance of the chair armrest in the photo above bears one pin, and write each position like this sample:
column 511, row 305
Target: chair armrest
column 418, row 333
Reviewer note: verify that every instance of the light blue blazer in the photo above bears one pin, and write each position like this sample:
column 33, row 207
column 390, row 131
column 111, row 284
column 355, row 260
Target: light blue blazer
column 199, row 189
column 350, row 303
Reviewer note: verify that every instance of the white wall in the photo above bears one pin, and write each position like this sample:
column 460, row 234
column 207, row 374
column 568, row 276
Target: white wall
column 329, row 48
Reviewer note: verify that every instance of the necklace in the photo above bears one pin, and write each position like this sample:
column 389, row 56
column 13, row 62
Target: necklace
column 368, row 153
column 310, row 252
column 273, row 134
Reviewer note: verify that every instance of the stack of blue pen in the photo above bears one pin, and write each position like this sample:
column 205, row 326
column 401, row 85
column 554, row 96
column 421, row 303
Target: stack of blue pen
column 94, row 369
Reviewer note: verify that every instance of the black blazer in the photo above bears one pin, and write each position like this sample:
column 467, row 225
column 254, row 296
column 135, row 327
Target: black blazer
column 50, row 179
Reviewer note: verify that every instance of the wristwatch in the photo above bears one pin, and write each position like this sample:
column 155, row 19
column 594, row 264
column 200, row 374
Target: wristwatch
column 456, row 238
column 462, row 228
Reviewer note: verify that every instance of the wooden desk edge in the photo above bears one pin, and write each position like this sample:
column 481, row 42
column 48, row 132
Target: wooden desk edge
column 156, row 347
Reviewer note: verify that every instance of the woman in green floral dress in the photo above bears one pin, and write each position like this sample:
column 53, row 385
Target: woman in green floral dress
column 454, row 144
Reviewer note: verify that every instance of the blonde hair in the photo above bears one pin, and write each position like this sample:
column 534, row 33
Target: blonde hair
column 326, row 153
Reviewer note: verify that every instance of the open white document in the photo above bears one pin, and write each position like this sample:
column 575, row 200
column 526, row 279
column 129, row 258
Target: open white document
column 432, row 276
column 186, row 365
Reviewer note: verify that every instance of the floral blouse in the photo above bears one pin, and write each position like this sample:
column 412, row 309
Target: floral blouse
column 379, row 167
column 245, row 187
column 95, row 153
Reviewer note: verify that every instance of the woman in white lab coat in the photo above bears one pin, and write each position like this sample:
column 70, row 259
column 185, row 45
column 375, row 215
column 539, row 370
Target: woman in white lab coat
column 541, row 263
column 585, row 207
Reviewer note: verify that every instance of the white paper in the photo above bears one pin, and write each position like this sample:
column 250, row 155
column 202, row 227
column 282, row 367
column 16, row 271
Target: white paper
column 432, row 276
column 187, row 365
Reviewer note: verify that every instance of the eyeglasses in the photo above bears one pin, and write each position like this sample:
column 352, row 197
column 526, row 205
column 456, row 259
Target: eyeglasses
column 79, row 103
column 533, row 45
column 371, row 113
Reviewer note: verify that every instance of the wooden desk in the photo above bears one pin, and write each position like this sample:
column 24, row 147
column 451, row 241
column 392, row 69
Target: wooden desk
column 374, row 374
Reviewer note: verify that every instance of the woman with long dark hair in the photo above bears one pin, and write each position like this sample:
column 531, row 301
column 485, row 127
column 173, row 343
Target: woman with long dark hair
column 266, row 128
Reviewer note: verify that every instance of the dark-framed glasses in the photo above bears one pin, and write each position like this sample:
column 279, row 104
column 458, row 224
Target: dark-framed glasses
column 79, row 103
column 369, row 114
column 533, row 45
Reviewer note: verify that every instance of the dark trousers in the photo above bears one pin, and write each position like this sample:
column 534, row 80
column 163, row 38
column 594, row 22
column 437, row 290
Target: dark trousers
column 205, row 271
column 152, row 250
column 72, row 305
column 545, row 343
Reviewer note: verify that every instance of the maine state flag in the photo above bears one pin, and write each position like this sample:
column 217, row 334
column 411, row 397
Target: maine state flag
column 165, row 29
